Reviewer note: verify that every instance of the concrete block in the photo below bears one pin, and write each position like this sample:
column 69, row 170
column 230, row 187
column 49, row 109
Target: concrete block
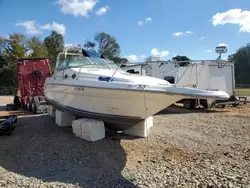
column 64, row 119
column 51, row 111
column 141, row 129
column 89, row 129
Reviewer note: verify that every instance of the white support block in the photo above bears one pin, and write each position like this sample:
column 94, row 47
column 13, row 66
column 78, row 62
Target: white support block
column 141, row 129
column 89, row 129
column 64, row 119
column 51, row 111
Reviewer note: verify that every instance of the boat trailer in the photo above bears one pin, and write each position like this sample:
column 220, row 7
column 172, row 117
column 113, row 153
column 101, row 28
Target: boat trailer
column 234, row 101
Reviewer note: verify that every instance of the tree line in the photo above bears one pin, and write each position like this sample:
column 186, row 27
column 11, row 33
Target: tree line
column 241, row 59
column 20, row 46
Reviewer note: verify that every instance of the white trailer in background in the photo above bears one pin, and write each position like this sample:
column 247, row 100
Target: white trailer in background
column 204, row 74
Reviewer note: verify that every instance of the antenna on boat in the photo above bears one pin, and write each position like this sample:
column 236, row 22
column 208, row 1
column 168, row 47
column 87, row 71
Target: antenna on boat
column 221, row 48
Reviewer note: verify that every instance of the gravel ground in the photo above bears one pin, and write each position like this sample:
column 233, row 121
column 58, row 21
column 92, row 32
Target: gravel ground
column 185, row 149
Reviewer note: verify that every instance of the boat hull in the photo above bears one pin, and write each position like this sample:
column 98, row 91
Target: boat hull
column 118, row 108
column 113, row 122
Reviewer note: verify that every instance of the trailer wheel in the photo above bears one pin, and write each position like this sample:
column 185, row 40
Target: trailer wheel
column 222, row 106
column 204, row 104
column 33, row 107
column 189, row 104
column 235, row 105
column 29, row 105
column 24, row 106
column 17, row 101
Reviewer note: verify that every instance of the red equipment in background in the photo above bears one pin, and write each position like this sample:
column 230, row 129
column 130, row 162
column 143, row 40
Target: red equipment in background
column 31, row 76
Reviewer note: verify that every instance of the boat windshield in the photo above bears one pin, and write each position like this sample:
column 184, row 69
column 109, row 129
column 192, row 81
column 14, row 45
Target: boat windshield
column 111, row 64
column 76, row 60
column 103, row 63
column 98, row 62
column 72, row 61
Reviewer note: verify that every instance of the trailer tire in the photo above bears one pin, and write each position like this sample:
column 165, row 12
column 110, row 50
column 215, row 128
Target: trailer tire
column 235, row 105
column 222, row 106
column 16, row 101
column 204, row 104
column 189, row 104
column 24, row 107
column 28, row 106
column 33, row 107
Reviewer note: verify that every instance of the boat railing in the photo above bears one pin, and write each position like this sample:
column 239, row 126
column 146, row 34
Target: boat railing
column 118, row 67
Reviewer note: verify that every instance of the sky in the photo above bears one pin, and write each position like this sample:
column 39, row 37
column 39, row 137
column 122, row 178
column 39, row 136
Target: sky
column 143, row 28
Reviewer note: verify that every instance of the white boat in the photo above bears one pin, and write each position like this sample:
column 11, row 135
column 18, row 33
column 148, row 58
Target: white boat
column 88, row 85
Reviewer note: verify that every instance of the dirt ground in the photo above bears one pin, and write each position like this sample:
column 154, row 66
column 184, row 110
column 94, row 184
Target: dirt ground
column 185, row 148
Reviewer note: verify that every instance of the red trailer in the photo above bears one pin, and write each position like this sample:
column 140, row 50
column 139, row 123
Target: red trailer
column 31, row 75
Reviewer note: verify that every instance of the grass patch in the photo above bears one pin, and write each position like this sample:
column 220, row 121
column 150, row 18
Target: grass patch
column 242, row 91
